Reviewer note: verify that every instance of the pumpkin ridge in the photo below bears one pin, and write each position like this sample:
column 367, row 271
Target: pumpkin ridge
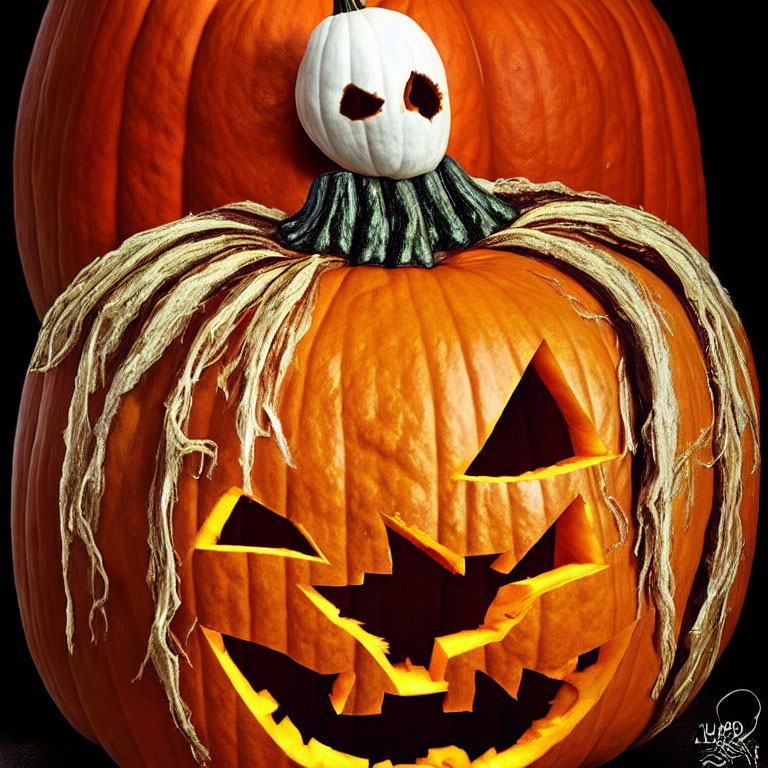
column 25, row 151
column 480, row 425
column 165, row 154
column 489, row 138
column 586, row 19
column 121, row 104
column 448, row 312
column 98, row 234
column 655, row 75
column 653, row 42
column 436, row 402
column 32, row 534
column 348, row 277
column 57, row 249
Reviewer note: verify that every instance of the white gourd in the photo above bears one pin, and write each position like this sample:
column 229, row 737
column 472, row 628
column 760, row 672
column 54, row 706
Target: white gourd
column 401, row 117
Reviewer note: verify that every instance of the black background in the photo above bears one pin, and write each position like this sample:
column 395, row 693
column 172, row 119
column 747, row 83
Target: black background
column 719, row 48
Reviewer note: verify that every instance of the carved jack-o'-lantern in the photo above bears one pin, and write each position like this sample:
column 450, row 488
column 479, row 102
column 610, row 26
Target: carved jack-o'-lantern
column 433, row 538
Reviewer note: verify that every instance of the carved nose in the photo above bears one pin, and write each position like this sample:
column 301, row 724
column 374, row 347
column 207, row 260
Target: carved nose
column 417, row 602
column 423, row 623
column 423, row 598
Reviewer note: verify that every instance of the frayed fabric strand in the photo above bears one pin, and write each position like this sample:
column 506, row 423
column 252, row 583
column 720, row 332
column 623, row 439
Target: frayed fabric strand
column 227, row 256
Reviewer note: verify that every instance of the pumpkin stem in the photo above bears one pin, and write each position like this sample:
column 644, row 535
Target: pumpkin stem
column 346, row 6
column 394, row 223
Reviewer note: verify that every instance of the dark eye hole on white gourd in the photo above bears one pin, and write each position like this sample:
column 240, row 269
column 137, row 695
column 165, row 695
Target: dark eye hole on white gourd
column 422, row 95
column 357, row 104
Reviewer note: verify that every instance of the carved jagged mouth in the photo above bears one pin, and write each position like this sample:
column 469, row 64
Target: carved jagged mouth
column 408, row 726
column 422, row 681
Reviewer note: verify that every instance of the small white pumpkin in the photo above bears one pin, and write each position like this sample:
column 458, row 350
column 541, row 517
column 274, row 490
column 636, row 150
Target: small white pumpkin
column 372, row 94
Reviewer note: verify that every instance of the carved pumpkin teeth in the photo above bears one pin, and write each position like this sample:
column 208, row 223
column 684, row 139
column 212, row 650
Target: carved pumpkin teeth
column 497, row 720
column 291, row 703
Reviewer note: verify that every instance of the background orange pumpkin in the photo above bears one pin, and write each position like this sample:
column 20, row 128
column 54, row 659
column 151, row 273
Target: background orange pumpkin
column 716, row 55
column 179, row 108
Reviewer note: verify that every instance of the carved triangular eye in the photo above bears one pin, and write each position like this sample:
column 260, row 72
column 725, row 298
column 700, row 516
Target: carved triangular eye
column 253, row 525
column 357, row 104
column 542, row 425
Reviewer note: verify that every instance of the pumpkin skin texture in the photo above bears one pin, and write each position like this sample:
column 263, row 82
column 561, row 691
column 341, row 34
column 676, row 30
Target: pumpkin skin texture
column 148, row 111
column 384, row 411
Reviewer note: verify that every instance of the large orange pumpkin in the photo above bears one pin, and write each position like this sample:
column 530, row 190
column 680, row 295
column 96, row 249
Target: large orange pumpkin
column 145, row 111
column 446, row 457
